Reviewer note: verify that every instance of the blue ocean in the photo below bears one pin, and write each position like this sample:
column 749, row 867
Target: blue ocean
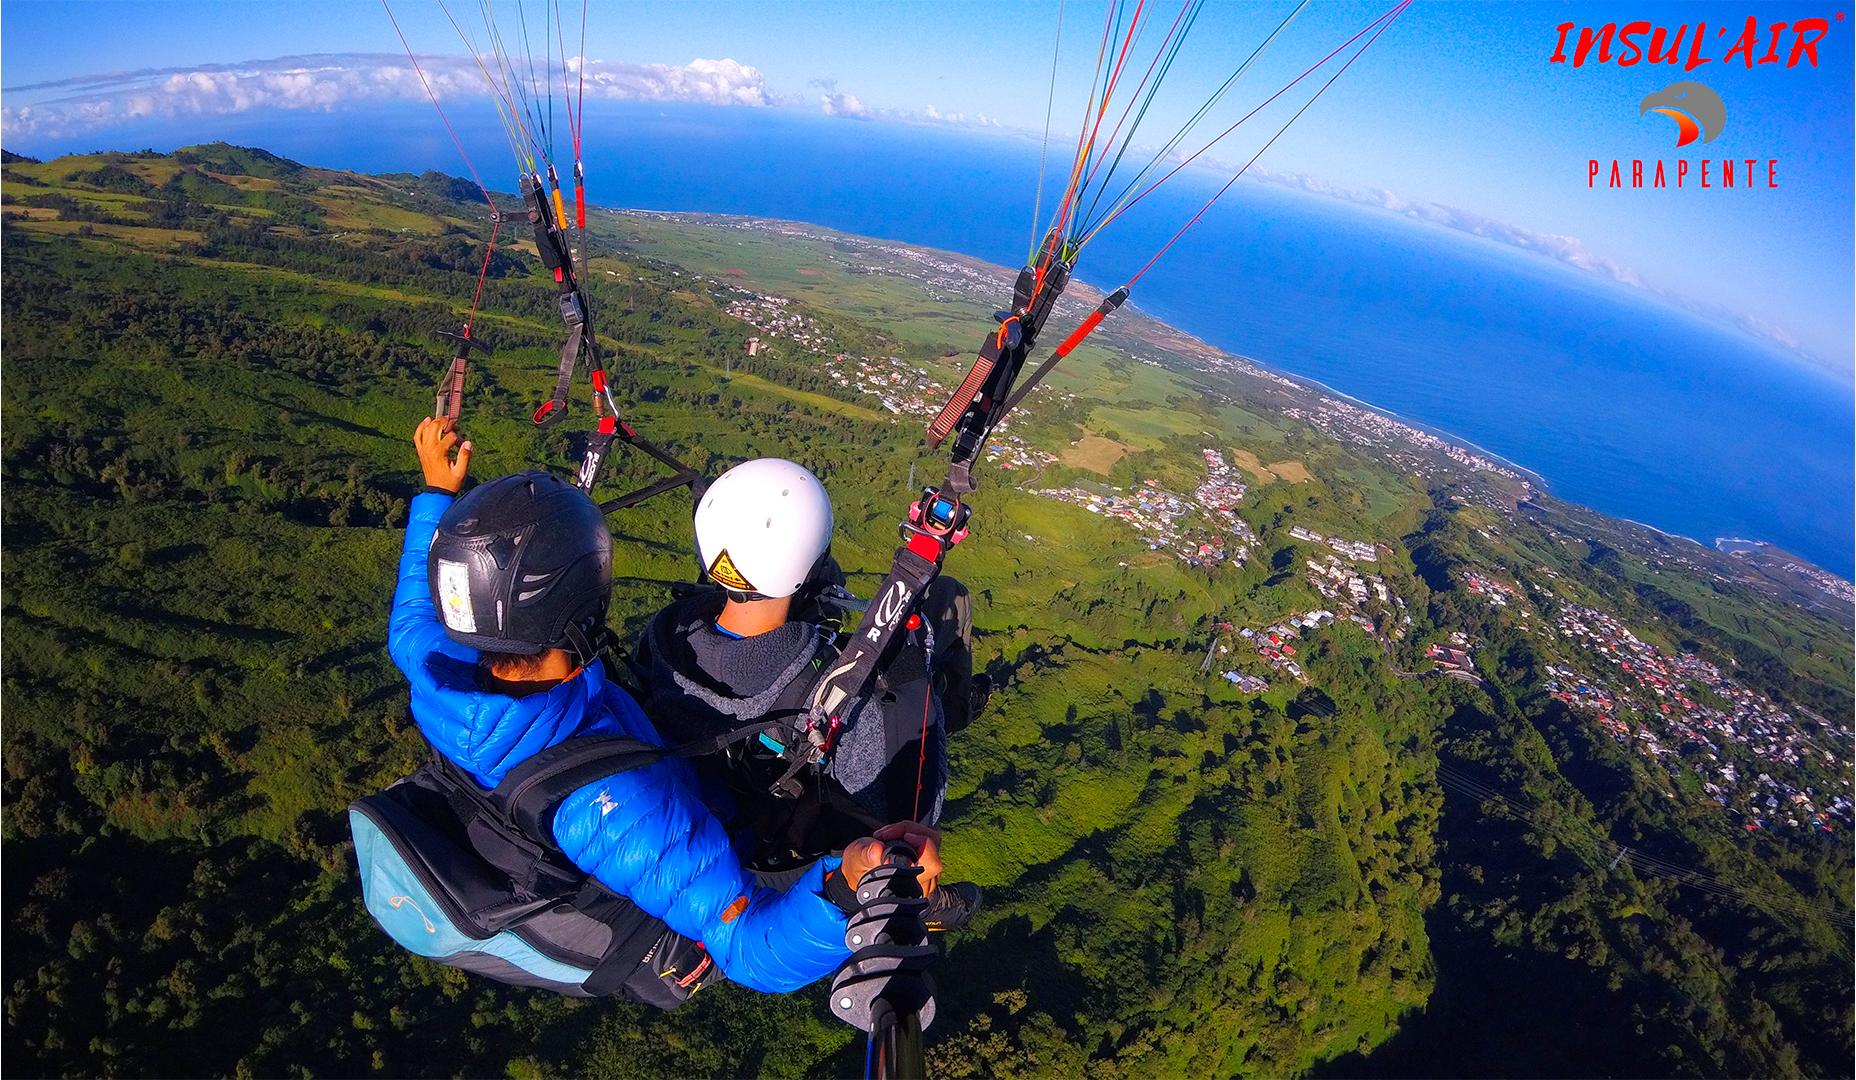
column 1617, row 400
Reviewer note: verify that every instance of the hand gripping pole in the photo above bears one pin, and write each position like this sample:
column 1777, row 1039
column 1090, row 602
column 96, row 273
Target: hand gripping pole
column 884, row 989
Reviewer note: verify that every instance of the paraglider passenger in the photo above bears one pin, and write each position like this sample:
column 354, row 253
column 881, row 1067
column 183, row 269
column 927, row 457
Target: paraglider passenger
column 721, row 660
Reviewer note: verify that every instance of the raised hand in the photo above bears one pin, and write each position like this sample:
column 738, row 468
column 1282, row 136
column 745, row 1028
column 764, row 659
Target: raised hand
column 434, row 439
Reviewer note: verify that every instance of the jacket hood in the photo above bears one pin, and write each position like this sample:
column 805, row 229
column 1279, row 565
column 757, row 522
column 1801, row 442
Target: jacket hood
column 705, row 681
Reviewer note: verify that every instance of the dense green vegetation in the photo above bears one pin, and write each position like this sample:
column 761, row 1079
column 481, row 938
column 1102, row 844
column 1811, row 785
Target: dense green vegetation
column 214, row 361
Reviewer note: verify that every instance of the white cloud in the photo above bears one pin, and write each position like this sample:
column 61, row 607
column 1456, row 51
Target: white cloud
column 933, row 115
column 835, row 103
column 326, row 82
column 848, row 105
column 703, row 82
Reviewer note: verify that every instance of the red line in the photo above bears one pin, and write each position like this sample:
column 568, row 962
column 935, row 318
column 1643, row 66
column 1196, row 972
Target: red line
column 1382, row 22
column 921, row 760
column 417, row 70
column 1136, row 96
column 496, row 222
column 1291, row 85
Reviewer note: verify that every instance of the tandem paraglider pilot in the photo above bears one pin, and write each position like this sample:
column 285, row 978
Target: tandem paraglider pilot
column 552, row 840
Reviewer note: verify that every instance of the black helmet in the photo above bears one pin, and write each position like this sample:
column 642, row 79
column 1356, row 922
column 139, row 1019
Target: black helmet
column 522, row 564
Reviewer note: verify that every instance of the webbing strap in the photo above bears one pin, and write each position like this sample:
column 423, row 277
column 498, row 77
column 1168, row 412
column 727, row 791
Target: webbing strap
column 649, row 491
column 531, row 791
column 597, row 444
column 909, row 574
column 964, row 394
column 451, row 394
column 556, row 406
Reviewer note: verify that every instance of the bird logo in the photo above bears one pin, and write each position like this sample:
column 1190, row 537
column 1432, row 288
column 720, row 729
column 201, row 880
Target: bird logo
column 397, row 902
column 1697, row 110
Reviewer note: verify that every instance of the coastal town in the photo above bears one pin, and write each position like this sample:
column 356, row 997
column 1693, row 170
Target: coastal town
column 1357, row 550
column 1363, row 599
column 1202, row 529
column 897, row 386
column 1009, row 452
column 1411, row 449
column 1498, row 593
column 773, row 316
column 1682, row 713
column 1276, row 643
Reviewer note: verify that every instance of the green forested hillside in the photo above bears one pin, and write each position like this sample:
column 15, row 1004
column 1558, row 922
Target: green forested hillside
column 213, row 363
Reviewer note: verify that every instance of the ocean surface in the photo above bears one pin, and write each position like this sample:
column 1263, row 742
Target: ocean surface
column 1617, row 400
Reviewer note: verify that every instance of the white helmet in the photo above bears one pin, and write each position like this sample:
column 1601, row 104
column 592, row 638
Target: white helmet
column 762, row 527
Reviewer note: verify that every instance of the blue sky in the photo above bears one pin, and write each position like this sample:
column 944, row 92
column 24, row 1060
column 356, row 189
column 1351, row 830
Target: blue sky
column 1455, row 115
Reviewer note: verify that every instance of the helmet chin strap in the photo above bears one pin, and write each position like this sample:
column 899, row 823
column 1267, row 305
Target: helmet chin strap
column 585, row 647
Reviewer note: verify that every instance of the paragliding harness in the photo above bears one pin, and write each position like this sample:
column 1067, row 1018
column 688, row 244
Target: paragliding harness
column 474, row 879
column 786, row 816
column 779, row 735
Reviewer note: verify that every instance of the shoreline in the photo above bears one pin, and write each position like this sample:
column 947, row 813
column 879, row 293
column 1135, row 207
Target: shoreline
column 1306, row 382
column 1310, row 383
column 1533, row 477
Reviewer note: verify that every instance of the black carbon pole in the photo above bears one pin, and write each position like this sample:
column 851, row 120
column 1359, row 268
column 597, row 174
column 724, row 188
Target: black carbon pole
column 884, row 989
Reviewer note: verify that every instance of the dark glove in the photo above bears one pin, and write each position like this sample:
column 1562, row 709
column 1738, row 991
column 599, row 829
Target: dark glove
column 840, row 893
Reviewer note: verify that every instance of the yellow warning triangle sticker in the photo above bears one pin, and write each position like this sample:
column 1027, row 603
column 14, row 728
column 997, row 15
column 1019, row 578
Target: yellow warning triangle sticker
column 724, row 572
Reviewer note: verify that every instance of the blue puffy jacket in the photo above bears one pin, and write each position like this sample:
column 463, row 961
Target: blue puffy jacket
column 645, row 833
